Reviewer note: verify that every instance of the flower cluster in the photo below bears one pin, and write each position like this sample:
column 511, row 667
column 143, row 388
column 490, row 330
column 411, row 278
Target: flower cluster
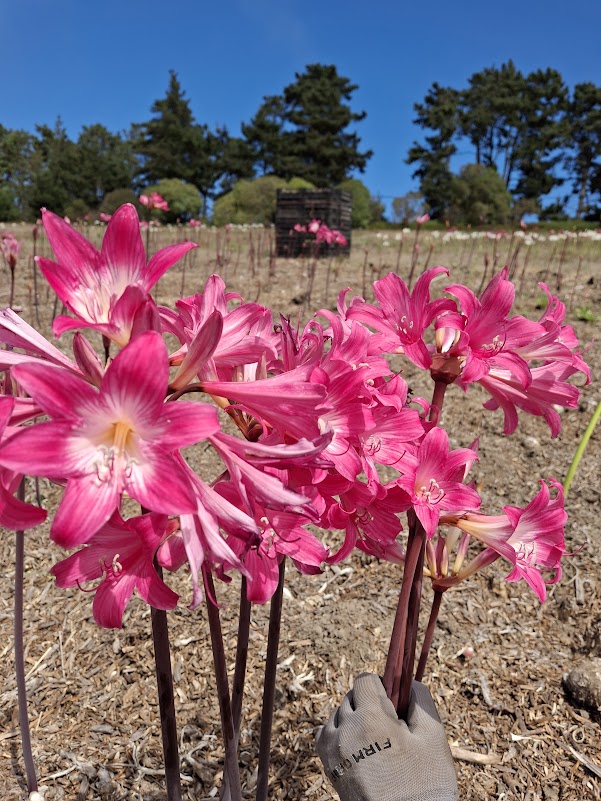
column 10, row 247
column 322, row 233
column 319, row 409
column 154, row 201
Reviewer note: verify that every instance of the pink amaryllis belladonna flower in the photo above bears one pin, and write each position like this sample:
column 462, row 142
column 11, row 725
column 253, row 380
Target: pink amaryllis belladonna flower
column 122, row 554
column 404, row 315
column 120, row 438
column 104, row 290
column 14, row 514
column 532, row 538
column 432, row 479
column 154, row 201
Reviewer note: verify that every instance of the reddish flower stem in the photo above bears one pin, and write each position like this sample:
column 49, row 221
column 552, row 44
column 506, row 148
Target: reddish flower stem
column 223, row 691
column 392, row 672
column 11, row 297
column 30, row 771
column 440, row 387
column 271, row 664
column 162, row 660
column 429, row 635
column 241, row 657
column 239, row 674
column 412, row 627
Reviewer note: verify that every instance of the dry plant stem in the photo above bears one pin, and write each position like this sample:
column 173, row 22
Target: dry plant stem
column 429, row 635
column 271, row 664
column 408, row 656
column 399, row 254
column 414, row 257
column 223, row 690
column 428, row 258
column 327, row 289
column 364, row 276
column 571, row 304
column 36, row 299
column 183, row 284
column 523, row 275
column 469, row 258
column 562, row 258
column 30, row 772
column 312, row 271
column 162, row 661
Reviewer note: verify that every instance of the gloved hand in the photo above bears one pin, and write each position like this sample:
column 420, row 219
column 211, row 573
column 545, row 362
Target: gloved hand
column 371, row 755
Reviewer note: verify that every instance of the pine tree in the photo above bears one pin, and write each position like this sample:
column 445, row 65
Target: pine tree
column 439, row 114
column 584, row 160
column 305, row 133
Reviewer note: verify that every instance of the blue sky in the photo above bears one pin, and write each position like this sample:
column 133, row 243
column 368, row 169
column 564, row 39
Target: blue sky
column 106, row 62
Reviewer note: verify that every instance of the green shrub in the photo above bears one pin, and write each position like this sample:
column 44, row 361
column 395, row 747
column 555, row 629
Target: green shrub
column 77, row 209
column 299, row 183
column 9, row 211
column 361, row 213
column 249, row 202
column 479, row 197
column 112, row 200
column 183, row 199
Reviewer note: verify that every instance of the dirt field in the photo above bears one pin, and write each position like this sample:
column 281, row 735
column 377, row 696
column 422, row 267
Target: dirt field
column 92, row 693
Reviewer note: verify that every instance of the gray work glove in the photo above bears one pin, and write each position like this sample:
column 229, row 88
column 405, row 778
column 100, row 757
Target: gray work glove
column 371, row 755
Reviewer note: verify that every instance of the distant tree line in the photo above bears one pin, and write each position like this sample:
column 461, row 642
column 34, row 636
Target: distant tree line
column 521, row 138
column 524, row 136
column 305, row 135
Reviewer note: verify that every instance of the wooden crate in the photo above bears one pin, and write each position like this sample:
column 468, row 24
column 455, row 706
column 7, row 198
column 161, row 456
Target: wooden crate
column 298, row 207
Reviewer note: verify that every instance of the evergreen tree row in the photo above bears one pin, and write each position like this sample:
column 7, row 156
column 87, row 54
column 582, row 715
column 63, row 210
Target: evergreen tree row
column 521, row 139
column 523, row 136
column 304, row 134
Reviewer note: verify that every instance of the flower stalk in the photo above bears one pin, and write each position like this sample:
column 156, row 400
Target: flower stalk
column 223, row 692
column 162, row 659
column 392, row 672
column 30, row 771
column 429, row 635
column 271, row 664
column 412, row 627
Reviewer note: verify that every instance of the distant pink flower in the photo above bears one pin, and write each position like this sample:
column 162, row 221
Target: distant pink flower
column 104, row 290
column 195, row 223
column 430, row 478
column 122, row 438
column 423, row 219
column 300, row 228
column 14, row 514
column 103, row 217
column 154, row 201
column 122, row 554
column 10, row 248
column 313, row 226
